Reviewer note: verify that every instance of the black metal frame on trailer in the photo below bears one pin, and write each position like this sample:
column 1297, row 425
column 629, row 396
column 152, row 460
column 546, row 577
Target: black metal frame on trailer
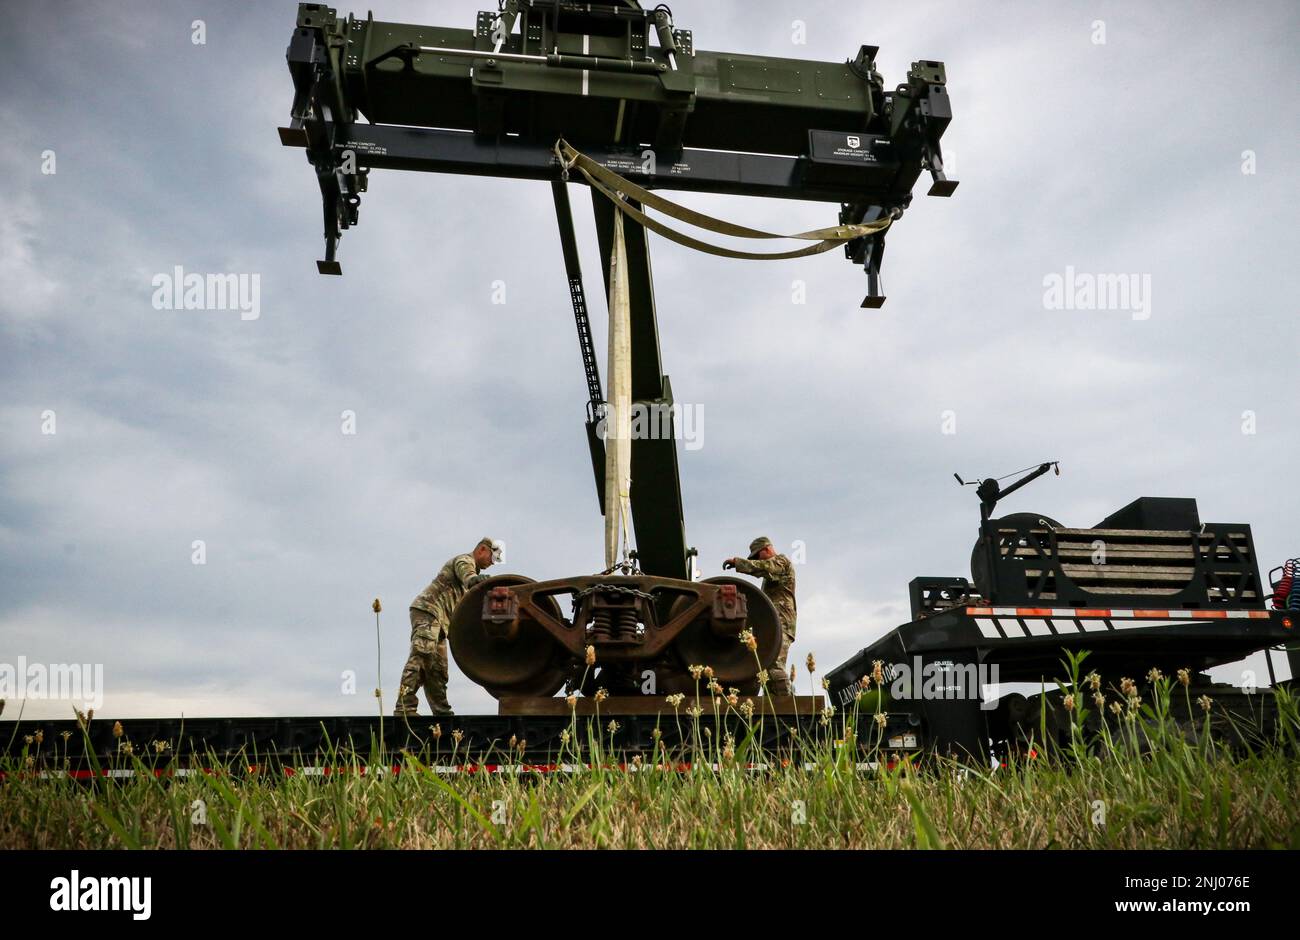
column 938, row 655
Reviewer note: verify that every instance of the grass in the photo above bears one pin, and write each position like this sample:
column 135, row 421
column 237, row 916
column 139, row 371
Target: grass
column 1136, row 779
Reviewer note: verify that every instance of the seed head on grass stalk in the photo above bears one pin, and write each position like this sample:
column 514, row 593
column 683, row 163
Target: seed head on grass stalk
column 379, row 669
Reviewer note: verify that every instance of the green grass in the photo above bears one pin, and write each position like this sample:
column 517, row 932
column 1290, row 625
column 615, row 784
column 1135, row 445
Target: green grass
column 1134, row 780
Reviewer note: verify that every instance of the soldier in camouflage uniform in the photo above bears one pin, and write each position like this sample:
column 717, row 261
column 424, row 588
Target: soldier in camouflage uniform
column 777, row 572
column 430, row 618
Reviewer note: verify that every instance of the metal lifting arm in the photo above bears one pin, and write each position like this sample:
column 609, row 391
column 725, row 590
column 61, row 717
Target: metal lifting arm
column 493, row 100
column 586, row 346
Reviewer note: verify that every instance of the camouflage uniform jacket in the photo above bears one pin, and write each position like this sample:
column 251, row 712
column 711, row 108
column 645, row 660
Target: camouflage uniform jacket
column 442, row 595
column 777, row 573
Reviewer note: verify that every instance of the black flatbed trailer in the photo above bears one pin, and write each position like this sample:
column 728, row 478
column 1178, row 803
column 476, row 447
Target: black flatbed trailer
column 966, row 653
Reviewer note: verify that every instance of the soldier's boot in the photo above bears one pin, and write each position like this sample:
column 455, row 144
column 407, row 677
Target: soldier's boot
column 435, row 679
column 778, row 674
column 778, row 683
column 412, row 678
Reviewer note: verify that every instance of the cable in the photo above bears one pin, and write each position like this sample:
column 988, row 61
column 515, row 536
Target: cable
column 1032, row 467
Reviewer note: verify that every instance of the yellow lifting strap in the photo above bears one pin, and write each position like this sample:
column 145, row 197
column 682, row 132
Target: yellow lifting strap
column 618, row 410
column 611, row 185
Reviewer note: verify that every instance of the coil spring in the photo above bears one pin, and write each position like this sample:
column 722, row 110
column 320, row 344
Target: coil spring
column 1286, row 593
column 627, row 622
column 600, row 621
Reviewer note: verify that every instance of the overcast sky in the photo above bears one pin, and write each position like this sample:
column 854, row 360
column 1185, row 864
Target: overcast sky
column 823, row 422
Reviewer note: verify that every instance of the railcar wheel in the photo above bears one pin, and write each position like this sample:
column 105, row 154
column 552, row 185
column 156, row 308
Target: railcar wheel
column 731, row 660
column 528, row 663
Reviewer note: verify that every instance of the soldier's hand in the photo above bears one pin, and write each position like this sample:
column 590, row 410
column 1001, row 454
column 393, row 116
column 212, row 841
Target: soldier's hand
column 730, row 563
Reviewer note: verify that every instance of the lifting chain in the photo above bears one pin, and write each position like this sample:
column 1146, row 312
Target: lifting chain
column 610, row 589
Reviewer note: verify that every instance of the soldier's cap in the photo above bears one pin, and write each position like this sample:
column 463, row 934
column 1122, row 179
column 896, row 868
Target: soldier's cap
column 758, row 545
column 494, row 545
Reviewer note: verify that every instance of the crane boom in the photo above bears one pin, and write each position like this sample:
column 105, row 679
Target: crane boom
column 628, row 87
